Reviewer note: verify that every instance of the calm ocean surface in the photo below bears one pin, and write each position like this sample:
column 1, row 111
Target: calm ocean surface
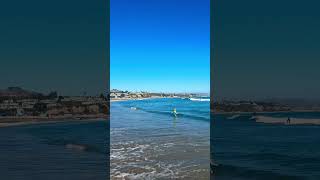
column 148, row 142
column 245, row 149
column 55, row 151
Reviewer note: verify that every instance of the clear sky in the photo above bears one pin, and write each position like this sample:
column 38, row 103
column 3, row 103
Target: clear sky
column 54, row 45
column 266, row 49
column 160, row 45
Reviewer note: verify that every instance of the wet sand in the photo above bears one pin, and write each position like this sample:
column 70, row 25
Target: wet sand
column 293, row 121
column 26, row 120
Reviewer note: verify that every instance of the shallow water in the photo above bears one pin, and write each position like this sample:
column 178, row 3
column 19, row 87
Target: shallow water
column 64, row 150
column 245, row 149
column 148, row 142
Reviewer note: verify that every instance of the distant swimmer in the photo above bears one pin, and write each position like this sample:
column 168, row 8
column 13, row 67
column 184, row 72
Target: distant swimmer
column 288, row 120
column 174, row 112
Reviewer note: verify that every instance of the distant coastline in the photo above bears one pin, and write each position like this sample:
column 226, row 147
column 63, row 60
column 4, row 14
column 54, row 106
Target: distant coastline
column 249, row 107
column 19, row 106
column 137, row 99
column 120, row 95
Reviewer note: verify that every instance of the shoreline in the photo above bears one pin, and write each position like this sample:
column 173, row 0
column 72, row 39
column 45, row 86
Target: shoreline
column 293, row 121
column 138, row 99
column 27, row 120
column 264, row 112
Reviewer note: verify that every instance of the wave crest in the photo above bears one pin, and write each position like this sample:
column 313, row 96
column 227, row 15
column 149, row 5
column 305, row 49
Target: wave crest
column 199, row 99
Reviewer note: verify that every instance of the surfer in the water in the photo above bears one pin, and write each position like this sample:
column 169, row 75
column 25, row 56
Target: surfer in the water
column 174, row 112
column 288, row 120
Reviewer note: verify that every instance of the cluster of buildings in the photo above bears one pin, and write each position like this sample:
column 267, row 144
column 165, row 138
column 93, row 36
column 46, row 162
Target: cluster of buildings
column 119, row 94
column 19, row 102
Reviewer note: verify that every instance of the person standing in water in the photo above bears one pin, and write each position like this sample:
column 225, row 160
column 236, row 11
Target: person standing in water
column 175, row 112
column 288, row 120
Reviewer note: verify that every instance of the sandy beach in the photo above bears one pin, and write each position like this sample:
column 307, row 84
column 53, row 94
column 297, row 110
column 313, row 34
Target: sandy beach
column 293, row 121
column 261, row 112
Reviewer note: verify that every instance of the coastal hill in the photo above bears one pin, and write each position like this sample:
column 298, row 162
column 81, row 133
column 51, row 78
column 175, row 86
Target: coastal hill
column 17, row 104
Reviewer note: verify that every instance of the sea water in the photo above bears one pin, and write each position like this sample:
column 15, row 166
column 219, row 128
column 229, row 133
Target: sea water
column 63, row 151
column 245, row 149
column 149, row 142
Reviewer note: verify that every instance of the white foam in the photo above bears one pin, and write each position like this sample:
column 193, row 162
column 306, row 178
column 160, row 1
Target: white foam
column 199, row 99
column 141, row 160
column 234, row 116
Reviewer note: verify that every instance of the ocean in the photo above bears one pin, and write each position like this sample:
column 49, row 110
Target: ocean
column 149, row 142
column 247, row 150
column 63, row 150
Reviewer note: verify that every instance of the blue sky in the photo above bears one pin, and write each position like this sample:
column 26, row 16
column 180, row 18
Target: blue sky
column 54, row 46
column 266, row 49
column 160, row 45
